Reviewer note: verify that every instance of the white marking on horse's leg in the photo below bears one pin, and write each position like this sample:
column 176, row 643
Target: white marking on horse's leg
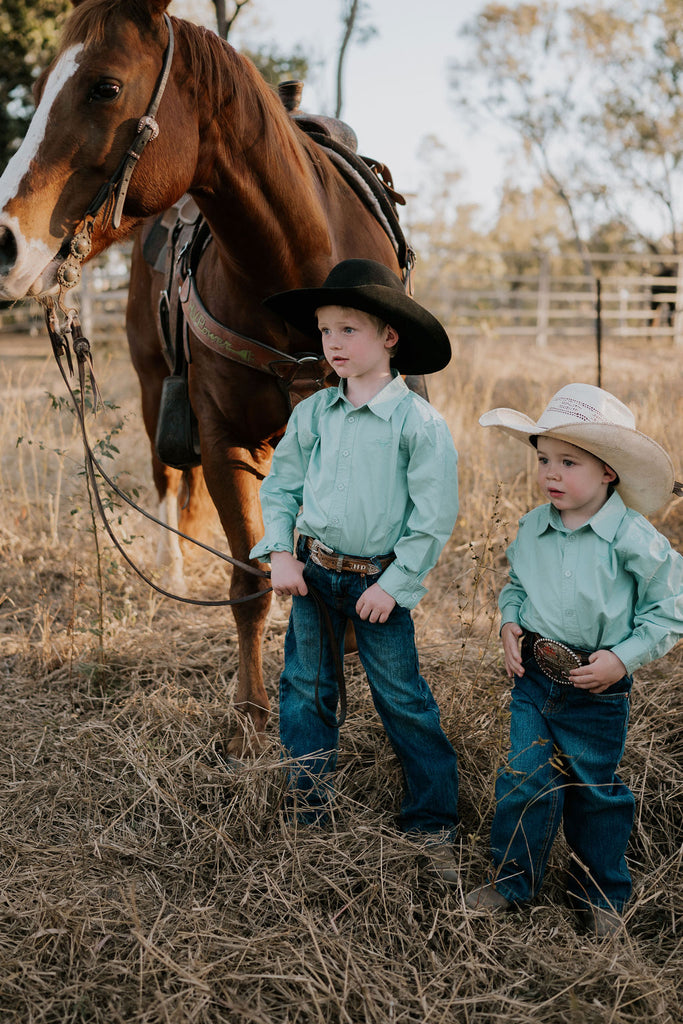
column 169, row 555
column 33, row 254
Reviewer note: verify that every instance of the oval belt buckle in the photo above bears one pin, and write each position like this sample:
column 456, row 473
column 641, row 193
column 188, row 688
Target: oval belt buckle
column 555, row 660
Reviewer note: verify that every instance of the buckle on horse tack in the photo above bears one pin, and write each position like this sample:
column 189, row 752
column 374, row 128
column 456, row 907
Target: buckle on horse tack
column 555, row 659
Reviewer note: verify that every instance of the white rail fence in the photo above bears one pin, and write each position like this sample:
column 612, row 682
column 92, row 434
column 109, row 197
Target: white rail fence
column 620, row 300
column 615, row 302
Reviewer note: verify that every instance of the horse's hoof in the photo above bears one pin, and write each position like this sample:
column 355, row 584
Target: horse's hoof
column 242, row 745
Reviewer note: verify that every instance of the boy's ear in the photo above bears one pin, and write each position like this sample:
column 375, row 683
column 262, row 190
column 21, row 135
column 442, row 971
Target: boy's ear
column 391, row 338
column 610, row 475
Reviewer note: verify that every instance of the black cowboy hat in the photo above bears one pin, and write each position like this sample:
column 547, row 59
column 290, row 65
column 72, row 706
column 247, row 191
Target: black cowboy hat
column 423, row 345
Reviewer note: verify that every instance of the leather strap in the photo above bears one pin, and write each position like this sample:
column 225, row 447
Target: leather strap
column 299, row 375
column 346, row 563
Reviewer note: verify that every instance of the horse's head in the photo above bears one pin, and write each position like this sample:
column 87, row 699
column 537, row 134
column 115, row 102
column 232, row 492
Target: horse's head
column 89, row 104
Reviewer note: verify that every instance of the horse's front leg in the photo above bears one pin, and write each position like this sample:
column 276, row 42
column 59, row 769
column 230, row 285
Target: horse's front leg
column 233, row 482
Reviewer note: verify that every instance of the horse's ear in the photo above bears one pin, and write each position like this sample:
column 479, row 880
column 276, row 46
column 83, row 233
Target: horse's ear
column 155, row 6
column 158, row 6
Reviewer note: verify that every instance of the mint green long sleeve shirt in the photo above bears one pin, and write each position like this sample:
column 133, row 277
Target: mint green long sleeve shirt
column 614, row 583
column 367, row 481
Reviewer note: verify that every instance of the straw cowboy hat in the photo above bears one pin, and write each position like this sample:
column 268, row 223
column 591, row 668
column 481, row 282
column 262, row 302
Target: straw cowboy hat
column 593, row 419
column 423, row 345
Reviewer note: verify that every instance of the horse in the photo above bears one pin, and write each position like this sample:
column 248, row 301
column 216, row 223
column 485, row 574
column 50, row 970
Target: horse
column 280, row 213
column 663, row 296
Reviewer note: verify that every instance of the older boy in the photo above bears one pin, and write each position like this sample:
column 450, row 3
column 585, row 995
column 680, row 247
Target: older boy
column 595, row 592
column 367, row 473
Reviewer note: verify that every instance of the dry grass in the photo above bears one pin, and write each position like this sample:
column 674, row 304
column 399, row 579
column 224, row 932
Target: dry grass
column 145, row 880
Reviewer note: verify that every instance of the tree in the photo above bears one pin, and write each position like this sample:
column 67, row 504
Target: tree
column 274, row 65
column 592, row 92
column 225, row 20
column 351, row 20
column 28, row 39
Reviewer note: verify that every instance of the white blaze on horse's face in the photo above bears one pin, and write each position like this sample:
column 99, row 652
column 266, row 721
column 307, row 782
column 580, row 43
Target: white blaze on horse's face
column 27, row 249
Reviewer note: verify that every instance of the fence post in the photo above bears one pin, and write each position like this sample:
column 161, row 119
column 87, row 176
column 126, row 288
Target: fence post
column 543, row 303
column 678, row 311
column 598, row 327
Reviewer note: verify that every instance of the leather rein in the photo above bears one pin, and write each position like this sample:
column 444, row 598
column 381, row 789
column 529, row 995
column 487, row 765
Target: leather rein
column 307, row 369
column 81, row 348
column 111, row 198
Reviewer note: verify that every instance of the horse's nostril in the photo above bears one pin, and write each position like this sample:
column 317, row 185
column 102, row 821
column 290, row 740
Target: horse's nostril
column 8, row 250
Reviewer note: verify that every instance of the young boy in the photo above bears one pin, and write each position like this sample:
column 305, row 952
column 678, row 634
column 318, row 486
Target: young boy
column 595, row 592
column 367, row 473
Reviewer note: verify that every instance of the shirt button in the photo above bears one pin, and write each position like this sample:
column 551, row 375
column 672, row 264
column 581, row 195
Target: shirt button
column 345, row 454
column 334, row 521
column 352, row 419
column 340, row 487
column 568, row 574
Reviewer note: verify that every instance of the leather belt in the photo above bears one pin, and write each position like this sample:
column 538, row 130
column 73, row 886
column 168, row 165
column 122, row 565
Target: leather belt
column 555, row 659
column 329, row 559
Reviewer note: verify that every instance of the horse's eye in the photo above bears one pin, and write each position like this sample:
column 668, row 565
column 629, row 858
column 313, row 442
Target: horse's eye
column 104, row 90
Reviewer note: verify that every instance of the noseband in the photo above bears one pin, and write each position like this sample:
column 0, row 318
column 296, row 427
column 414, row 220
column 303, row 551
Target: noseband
column 113, row 193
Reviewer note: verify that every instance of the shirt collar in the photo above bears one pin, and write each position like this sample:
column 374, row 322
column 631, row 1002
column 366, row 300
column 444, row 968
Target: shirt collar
column 604, row 523
column 384, row 402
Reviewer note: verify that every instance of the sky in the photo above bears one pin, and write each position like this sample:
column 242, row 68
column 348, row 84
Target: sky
column 395, row 84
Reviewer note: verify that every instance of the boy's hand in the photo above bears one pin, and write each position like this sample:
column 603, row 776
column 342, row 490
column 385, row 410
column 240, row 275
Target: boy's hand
column 603, row 669
column 511, row 634
column 375, row 604
column 287, row 574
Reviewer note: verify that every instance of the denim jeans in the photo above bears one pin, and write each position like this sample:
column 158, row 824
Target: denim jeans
column 401, row 696
column 565, row 747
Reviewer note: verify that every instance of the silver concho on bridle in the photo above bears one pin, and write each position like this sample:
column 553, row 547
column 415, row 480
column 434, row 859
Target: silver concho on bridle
column 69, row 272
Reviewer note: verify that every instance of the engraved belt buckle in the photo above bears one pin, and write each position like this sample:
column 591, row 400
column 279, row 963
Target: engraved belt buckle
column 316, row 549
column 555, row 659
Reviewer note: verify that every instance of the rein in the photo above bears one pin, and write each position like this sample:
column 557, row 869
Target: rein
column 81, row 350
column 111, row 199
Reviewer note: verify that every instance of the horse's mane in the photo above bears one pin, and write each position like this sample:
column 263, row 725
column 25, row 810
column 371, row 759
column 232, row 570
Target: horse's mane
column 87, row 22
column 218, row 70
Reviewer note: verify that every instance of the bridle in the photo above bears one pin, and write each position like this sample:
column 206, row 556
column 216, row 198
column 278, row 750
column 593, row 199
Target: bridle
column 112, row 195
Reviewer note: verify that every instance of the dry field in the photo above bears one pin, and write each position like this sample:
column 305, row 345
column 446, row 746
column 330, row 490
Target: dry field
column 145, row 880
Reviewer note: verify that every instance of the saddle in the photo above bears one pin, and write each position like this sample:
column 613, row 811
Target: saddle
column 174, row 243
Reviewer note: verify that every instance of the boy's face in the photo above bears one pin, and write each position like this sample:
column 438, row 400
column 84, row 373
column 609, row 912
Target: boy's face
column 573, row 480
column 355, row 344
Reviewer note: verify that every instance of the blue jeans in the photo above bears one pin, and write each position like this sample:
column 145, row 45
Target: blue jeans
column 565, row 747
column 401, row 696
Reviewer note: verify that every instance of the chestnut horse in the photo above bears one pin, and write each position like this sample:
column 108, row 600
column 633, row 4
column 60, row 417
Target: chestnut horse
column 280, row 214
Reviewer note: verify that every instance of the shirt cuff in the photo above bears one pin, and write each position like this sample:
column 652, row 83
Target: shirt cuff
column 632, row 652
column 402, row 586
column 265, row 547
column 510, row 613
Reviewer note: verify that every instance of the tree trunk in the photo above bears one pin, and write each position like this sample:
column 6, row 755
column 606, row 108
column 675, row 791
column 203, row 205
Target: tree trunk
column 349, row 22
